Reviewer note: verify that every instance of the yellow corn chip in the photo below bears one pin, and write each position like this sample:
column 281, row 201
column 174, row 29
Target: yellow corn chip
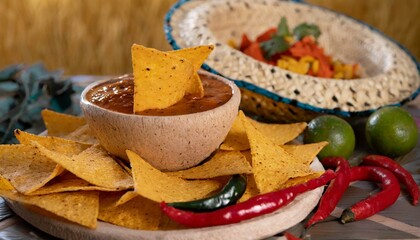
column 67, row 182
column 160, row 79
column 126, row 197
column 93, row 165
column 305, row 153
column 59, row 124
column 26, row 168
column 251, row 189
column 236, row 138
column 82, row 134
column 197, row 56
column 56, row 144
column 168, row 224
column 223, row 163
column 158, row 186
column 277, row 133
column 280, row 133
column 5, row 184
column 139, row 213
column 78, row 207
column 302, row 179
column 272, row 165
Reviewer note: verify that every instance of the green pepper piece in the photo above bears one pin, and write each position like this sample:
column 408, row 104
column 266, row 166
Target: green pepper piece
column 229, row 194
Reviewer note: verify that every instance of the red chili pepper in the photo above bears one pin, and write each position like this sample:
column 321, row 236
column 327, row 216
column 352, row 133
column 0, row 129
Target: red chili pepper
column 401, row 173
column 376, row 203
column 290, row 236
column 335, row 189
column 256, row 206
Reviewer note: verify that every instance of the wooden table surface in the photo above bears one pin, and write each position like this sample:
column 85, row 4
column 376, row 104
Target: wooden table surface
column 400, row 221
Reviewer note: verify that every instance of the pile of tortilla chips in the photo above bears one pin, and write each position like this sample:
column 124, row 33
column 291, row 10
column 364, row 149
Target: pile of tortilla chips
column 69, row 175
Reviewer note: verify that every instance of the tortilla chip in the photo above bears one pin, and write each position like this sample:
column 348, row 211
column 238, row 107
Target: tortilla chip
column 126, row 197
column 280, row 133
column 168, row 224
column 67, row 182
column 197, row 56
column 247, row 155
column 55, row 144
column 236, row 138
column 123, row 164
column 93, row 165
column 299, row 180
column 277, row 133
column 223, row 163
column 305, row 153
column 78, row 207
column 139, row 213
column 5, row 184
column 26, row 168
column 160, row 79
column 82, row 134
column 251, row 189
column 60, row 124
column 272, row 165
column 158, row 186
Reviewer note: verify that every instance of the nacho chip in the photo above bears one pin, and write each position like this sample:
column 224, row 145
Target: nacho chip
column 67, row 182
column 93, row 165
column 236, row 138
column 78, row 207
column 56, row 144
column 5, row 184
column 60, row 124
column 272, row 165
column 158, row 186
column 26, row 168
column 197, row 56
column 160, row 79
column 280, row 133
column 221, row 164
column 299, row 180
column 251, row 189
column 126, row 197
column 305, row 153
column 277, row 133
column 82, row 134
column 139, row 213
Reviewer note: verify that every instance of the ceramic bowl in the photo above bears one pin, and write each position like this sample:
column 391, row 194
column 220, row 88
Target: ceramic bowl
column 391, row 75
column 168, row 143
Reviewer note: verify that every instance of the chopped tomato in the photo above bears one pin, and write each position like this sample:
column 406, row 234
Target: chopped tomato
column 267, row 35
column 254, row 51
column 245, row 42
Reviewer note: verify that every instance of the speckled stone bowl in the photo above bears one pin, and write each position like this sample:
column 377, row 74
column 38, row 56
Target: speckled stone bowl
column 167, row 142
column 391, row 75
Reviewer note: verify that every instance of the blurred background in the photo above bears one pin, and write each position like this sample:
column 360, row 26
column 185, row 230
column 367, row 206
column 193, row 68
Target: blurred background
column 95, row 36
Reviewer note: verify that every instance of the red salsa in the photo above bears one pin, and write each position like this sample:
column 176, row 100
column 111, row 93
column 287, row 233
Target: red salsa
column 118, row 96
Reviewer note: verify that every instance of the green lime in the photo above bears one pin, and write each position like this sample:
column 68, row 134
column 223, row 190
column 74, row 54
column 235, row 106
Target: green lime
column 391, row 131
column 336, row 131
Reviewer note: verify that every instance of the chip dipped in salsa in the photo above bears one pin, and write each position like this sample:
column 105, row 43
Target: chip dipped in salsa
column 118, row 96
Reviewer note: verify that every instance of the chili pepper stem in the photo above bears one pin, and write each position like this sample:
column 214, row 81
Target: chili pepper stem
column 347, row 216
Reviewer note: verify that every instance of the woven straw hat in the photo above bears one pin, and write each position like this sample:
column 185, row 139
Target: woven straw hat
column 391, row 74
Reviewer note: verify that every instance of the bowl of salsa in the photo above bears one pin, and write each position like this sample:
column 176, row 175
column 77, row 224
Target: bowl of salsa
column 173, row 138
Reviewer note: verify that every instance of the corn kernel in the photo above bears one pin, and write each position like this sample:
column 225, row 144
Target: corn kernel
column 315, row 66
column 307, row 59
column 289, row 39
column 231, row 43
column 338, row 75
